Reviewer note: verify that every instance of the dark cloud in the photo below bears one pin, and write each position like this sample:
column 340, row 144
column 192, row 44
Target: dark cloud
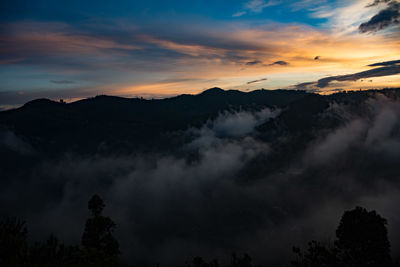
column 62, row 82
column 376, row 72
column 385, row 18
column 254, row 62
column 309, row 86
column 385, row 63
column 377, row 2
column 256, row 81
column 258, row 62
column 280, row 62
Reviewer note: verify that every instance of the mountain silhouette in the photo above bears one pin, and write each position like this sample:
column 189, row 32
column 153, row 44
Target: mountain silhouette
column 230, row 163
column 86, row 123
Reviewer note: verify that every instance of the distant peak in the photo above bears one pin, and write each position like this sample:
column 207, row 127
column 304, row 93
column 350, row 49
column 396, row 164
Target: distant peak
column 213, row 91
column 40, row 102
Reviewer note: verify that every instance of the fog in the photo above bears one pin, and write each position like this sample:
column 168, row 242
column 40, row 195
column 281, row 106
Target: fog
column 169, row 208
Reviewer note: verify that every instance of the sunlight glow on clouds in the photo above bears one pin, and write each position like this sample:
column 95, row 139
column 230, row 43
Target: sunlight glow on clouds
column 136, row 58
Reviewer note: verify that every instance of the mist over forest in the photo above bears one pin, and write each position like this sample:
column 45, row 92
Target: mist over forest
column 205, row 174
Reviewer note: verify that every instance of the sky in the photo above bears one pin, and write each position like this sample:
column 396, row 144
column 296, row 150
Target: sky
column 158, row 48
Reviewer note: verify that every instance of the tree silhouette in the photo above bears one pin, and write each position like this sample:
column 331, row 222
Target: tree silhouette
column 96, row 205
column 363, row 239
column 316, row 255
column 53, row 253
column 245, row 261
column 198, row 261
column 13, row 245
column 101, row 247
column 240, row 262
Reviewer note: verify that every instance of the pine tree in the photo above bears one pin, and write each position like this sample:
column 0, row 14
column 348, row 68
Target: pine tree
column 101, row 248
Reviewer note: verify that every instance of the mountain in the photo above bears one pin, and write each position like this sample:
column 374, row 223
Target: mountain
column 204, row 174
column 123, row 122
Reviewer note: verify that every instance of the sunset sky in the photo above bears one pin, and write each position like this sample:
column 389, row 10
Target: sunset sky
column 75, row 49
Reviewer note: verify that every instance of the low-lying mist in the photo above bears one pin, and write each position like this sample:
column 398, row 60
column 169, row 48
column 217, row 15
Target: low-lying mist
column 206, row 200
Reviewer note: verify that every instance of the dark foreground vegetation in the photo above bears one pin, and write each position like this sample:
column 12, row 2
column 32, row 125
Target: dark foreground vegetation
column 203, row 175
column 98, row 246
column 361, row 240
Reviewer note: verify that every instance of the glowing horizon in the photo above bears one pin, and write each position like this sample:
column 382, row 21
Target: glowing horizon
column 172, row 49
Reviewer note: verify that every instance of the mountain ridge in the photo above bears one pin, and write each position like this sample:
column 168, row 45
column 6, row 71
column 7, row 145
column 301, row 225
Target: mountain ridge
column 215, row 91
column 143, row 123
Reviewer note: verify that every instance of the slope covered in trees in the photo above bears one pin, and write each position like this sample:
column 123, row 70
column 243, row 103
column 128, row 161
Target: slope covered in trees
column 204, row 175
column 362, row 240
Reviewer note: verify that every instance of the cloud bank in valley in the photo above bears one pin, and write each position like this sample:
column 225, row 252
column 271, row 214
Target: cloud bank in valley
column 206, row 201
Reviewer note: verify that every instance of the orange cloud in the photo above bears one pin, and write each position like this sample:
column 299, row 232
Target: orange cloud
column 217, row 58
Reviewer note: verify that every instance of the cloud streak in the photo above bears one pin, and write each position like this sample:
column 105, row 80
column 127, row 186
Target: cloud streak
column 254, row 62
column 389, row 68
column 62, row 82
column 386, row 63
column 377, row 72
column 280, row 63
column 257, row 81
column 258, row 6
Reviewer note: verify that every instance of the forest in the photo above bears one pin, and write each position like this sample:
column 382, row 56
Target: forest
column 361, row 240
column 200, row 177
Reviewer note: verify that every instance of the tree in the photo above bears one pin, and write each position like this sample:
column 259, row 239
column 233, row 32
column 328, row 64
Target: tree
column 198, row 261
column 53, row 253
column 316, row 255
column 245, row 261
column 101, row 247
column 96, row 205
column 13, row 245
column 362, row 239
column 240, row 262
